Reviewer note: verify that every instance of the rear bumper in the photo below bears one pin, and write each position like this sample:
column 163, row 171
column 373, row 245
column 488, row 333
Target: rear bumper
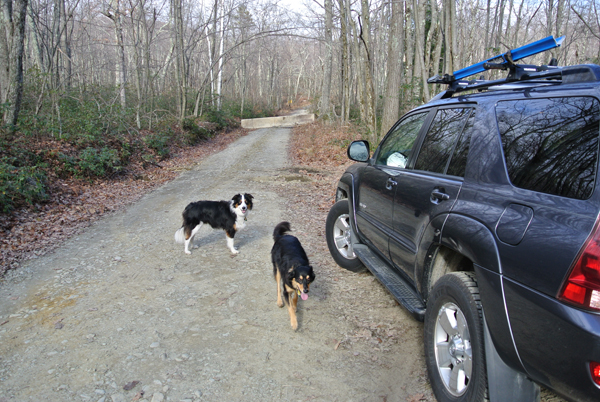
column 555, row 342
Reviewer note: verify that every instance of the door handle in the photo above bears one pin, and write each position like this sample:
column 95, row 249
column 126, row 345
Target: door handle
column 390, row 183
column 438, row 195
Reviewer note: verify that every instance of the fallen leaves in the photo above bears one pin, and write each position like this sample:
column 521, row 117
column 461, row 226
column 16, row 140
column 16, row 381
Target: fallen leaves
column 130, row 385
column 321, row 145
column 416, row 398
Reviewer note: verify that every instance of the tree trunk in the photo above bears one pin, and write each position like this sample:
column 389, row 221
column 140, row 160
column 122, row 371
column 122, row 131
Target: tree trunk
column 65, row 39
column 391, row 100
column 179, row 57
column 486, row 44
column 420, row 72
column 449, row 36
column 326, row 89
column 549, row 19
column 345, row 71
column 368, row 99
column 515, row 39
column 410, row 54
column 12, row 38
column 121, row 68
column 56, row 55
column 221, row 47
column 139, row 27
column 498, row 43
column 559, row 22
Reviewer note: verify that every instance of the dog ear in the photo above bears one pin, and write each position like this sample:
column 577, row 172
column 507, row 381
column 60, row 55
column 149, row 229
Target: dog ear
column 249, row 197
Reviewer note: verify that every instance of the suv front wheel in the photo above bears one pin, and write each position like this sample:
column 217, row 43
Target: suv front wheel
column 338, row 232
column 454, row 349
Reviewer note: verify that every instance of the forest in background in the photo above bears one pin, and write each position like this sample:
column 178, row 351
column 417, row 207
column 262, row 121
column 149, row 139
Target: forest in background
column 87, row 87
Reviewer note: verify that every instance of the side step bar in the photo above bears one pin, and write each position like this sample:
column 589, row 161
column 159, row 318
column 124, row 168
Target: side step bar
column 396, row 285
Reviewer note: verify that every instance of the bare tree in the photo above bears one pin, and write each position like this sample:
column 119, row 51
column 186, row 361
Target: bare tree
column 367, row 90
column 391, row 100
column 178, row 45
column 328, row 60
column 114, row 13
column 592, row 21
column 12, row 38
column 449, row 35
column 142, row 28
column 345, row 64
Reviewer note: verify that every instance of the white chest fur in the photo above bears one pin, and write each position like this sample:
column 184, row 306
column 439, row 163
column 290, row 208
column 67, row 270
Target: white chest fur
column 240, row 222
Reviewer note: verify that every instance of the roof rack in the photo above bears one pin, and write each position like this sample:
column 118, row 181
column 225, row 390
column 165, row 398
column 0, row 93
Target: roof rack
column 505, row 61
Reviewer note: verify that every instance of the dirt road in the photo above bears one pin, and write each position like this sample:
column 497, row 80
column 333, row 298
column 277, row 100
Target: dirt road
column 120, row 313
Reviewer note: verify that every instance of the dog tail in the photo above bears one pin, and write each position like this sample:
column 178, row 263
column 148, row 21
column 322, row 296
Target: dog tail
column 280, row 230
column 180, row 236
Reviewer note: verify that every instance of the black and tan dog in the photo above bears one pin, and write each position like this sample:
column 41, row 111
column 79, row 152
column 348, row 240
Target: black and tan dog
column 291, row 270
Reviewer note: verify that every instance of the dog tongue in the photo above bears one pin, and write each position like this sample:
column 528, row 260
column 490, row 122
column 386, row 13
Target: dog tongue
column 304, row 296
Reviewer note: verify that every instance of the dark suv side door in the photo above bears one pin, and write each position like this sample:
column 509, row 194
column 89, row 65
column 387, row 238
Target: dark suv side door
column 430, row 185
column 375, row 196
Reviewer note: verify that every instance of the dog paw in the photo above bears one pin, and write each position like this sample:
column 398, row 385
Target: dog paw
column 279, row 304
column 295, row 326
column 188, row 252
column 234, row 251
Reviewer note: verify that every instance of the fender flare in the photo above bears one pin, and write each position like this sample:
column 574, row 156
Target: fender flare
column 345, row 190
column 476, row 242
column 472, row 239
column 344, row 186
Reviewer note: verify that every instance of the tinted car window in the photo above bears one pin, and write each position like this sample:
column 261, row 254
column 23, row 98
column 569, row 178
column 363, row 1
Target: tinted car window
column 551, row 145
column 458, row 163
column 440, row 141
column 395, row 149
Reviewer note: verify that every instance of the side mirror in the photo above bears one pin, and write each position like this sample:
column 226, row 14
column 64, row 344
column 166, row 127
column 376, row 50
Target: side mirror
column 359, row 151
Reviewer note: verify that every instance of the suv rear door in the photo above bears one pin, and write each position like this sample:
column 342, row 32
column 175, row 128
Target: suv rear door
column 430, row 185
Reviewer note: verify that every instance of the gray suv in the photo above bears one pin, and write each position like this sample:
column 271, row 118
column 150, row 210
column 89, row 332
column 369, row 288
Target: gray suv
column 479, row 212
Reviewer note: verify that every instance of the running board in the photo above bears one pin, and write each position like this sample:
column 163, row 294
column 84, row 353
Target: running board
column 394, row 283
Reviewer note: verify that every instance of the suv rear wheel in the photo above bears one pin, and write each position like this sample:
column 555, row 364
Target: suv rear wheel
column 454, row 349
column 337, row 232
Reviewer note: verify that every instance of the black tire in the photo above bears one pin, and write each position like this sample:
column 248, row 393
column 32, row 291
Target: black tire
column 337, row 232
column 454, row 348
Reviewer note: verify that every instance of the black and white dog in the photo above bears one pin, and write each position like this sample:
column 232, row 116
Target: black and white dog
column 227, row 215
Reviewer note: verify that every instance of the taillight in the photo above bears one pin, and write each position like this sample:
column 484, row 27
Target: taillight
column 582, row 287
column 595, row 371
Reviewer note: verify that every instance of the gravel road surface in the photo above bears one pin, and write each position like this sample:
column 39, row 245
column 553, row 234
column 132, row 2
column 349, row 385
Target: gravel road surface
column 120, row 313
